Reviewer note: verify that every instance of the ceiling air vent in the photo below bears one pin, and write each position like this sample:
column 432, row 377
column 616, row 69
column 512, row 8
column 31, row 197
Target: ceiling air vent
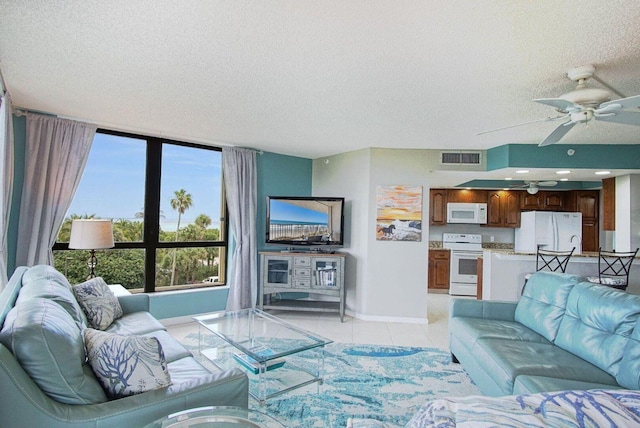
column 460, row 158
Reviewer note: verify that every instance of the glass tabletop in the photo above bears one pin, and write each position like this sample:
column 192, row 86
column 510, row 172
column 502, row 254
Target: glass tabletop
column 253, row 331
column 229, row 417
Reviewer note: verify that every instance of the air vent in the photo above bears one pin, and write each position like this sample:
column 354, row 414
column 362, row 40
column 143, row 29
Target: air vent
column 460, row 158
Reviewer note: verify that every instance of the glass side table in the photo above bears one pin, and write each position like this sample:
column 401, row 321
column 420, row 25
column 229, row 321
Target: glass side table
column 217, row 417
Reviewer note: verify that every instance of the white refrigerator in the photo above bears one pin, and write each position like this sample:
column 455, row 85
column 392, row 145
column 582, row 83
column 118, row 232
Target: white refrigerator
column 556, row 231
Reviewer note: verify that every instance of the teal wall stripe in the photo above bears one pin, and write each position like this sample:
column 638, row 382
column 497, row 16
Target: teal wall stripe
column 613, row 156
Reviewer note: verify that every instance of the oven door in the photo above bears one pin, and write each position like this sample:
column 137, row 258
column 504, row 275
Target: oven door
column 464, row 267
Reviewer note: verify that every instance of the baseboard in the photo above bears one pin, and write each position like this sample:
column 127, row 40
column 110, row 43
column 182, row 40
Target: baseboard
column 380, row 318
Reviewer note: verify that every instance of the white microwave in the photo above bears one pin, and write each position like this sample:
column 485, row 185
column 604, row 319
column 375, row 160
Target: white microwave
column 467, row 213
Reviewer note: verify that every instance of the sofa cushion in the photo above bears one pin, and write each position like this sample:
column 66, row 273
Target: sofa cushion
column 45, row 272
column 135, row 323
column 598, row 324
column 543, row 302
column 98, row 302
column 59, row 293
column 49, row 346
column 126, row 365
column 507, row 359
column 173, row 350
column 527, row 384
column 629, row 370
column 468, row 330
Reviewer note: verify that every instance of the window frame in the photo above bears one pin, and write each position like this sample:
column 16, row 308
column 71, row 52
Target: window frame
column 151, row 218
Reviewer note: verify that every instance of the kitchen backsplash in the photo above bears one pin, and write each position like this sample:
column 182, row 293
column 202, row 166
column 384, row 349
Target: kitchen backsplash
column 434, row 245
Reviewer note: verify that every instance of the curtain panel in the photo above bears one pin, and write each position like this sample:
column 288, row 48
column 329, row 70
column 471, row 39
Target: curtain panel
column 56, row 154
column 6, row 179
column 240, row 181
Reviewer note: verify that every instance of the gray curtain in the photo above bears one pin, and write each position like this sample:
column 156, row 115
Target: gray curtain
column 56, row 154
column 240, row 182
column 6, row 180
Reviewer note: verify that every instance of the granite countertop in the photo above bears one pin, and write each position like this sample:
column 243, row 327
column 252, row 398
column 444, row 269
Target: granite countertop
column 437, row 245
column 520, row 253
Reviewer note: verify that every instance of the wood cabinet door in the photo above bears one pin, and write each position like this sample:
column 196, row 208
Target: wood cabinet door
column 438, row 269
column 590, row 235
column 530, row 202
column 609, row 204
column 438, row 207
column 512, row 209
column 495, row 208
column 464, row 195
column 553, row 201
column 588, row 203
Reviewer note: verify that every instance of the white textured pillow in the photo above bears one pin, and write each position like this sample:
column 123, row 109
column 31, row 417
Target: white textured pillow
column 126, row 365
column 98, row 302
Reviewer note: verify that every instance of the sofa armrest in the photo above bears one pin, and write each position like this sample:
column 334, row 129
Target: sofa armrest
column 134, row 303
column 504, row 311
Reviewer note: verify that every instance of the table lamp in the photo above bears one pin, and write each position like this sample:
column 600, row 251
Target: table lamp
column 91, row 234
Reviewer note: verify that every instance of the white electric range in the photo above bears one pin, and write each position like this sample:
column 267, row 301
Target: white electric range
column 465, row 248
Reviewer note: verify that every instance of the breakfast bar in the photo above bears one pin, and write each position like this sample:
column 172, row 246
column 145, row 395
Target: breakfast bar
column 504, row 272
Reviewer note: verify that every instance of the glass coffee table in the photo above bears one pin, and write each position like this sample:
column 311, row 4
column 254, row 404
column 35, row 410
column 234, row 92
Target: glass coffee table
column 277, row 356
column 219, row 417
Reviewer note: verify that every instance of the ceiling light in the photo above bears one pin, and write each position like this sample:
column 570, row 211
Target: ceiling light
column 564, row 179
column 603, row 172
column 532, row 190
column 522, row 171
column 508, row 178
column 564, row 171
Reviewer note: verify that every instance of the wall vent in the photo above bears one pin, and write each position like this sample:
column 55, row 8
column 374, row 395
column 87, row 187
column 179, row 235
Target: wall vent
column 460, row 158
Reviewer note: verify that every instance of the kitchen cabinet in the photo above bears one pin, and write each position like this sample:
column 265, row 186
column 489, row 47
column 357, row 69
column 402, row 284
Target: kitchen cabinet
column 438, row 207
column 464, row 195
column 314, row 273
column 609, row 204
column 544, row 200
column 587, row 202
column 438, row 271
column 503, row 208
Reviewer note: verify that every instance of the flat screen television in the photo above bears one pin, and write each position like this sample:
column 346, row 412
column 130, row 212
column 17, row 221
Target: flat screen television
column 305, row 220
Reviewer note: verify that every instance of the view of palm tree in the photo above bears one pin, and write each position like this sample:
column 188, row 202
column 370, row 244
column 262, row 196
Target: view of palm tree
column 126, row 266
column 180, row 203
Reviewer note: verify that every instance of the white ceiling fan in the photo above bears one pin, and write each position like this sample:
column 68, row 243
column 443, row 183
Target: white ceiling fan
column 533, row 186
column 584, row 104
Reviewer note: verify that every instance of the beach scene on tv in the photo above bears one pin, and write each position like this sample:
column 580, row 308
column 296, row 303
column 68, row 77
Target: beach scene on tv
column 305, row 221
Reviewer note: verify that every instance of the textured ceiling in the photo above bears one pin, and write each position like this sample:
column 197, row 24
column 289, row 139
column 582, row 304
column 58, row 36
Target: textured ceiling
column 316, row 78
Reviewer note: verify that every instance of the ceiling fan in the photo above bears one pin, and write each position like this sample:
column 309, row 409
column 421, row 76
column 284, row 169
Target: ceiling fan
column 533, row 186
column 584, row 104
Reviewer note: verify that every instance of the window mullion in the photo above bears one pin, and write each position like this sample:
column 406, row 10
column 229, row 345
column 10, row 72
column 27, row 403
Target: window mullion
column 152, row 210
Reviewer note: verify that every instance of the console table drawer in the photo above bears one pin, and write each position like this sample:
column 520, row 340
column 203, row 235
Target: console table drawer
column 302, row 261
column 302, row 283
column 302, row 272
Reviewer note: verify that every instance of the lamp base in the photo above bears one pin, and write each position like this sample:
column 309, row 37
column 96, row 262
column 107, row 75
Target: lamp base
column 92, row 262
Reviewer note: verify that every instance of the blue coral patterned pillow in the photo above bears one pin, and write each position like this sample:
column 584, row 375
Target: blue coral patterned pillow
column 98, row 303
column 126, row 365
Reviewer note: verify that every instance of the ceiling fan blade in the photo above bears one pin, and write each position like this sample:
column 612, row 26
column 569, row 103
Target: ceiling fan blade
column 547, row 183
column 625, row 103
column 557, row 134
column 546, row 119
column 626, row 117
column 560, row 104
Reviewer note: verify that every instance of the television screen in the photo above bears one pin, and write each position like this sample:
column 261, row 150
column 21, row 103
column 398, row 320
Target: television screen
column 305, row 220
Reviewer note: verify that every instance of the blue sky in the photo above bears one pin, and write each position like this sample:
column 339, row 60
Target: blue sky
column 113, row 183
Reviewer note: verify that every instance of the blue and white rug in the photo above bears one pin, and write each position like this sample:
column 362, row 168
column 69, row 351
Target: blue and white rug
column 385, row 383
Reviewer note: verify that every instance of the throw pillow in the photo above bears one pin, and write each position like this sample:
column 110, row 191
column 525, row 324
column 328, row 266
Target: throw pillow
column 98, row 302
column 126, row 365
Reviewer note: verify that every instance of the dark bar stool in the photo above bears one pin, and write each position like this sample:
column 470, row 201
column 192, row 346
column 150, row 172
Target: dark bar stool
column 552, row 261
column 613, row 268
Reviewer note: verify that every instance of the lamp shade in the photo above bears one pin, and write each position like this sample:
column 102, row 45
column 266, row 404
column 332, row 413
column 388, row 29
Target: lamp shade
column 91, row 234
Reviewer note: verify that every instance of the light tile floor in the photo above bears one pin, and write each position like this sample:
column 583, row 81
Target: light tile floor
column 353, row 330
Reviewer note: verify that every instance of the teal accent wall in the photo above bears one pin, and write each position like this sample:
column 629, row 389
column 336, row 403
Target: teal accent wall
column 613, row 156
column 279, row 175
column 19, row 154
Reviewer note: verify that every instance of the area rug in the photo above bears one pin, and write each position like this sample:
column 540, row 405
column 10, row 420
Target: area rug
column 383, row 383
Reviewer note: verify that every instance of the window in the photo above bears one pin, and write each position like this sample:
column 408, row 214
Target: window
column 166, row 201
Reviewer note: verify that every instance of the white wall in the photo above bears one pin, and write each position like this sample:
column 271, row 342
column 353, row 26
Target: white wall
column 627, row 235
column 386, row 280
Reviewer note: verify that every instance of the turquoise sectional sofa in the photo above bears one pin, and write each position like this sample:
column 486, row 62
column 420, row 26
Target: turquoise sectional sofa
column 563, row 334
column 53, row 359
